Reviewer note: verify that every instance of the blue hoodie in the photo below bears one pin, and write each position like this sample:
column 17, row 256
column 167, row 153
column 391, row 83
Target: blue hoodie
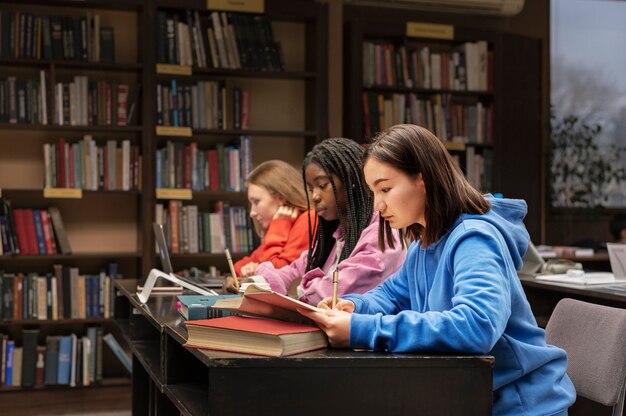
column 462, row 294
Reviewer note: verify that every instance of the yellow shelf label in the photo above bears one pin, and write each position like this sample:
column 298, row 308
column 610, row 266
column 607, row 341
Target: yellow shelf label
column 174, row 131
column 172, row 193
column 169, row 69
column 454, row 145
column 64, row 193
column 429, row 30
column 246, row 6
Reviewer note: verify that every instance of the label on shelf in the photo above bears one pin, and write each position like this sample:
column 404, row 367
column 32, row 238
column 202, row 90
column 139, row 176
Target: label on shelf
column 173, row 193
column 169, row 69
column 429, row 30
column 174, row 131
column 63, row 193
column 454, row 145
column 248, row 6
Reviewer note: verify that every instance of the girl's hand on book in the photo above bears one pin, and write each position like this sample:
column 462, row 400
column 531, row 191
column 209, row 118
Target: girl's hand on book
column 342, row 304
column 249, row 269
column 286, row 212
column 229, row 284
column 336, row 324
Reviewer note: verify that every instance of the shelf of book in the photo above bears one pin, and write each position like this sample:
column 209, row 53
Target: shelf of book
column 78, row 129
column 62, row 64
column 468, row 88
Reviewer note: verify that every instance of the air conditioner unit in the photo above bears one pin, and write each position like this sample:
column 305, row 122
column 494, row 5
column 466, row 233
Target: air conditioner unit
column 492, row 7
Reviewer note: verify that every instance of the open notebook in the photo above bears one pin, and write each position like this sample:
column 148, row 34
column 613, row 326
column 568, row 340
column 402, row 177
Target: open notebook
column 617, row 257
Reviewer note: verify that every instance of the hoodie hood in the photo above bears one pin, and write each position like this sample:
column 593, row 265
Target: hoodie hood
column 507, row 215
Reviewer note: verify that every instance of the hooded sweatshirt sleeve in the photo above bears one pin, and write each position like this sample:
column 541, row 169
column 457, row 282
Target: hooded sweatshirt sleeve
column 474, row 320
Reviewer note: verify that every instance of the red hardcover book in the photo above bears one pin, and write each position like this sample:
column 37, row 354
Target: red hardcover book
column 30, row 232
column 245, row 110
column 48, row 236
column 256, row 336
column 20, row 229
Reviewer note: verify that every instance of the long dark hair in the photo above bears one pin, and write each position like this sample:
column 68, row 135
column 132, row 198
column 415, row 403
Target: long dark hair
column 414, row 150
column 342, row 158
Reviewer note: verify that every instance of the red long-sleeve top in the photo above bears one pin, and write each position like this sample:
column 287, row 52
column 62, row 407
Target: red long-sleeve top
column 283, row 242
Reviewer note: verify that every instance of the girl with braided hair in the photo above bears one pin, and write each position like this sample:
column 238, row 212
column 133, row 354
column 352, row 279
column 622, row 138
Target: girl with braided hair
column 345, row 236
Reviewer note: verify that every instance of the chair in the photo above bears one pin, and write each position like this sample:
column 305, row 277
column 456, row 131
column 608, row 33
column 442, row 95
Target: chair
column 594, row 337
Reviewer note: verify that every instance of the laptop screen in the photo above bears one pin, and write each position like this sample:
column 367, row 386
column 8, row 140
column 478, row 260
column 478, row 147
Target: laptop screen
column 532, row 261
column 617, row 257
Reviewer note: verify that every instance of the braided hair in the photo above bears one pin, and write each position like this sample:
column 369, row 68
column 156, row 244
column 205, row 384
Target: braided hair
column 342, row 158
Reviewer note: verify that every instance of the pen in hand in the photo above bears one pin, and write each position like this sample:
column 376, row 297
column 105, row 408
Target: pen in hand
column 335, row 283
column 232, row 268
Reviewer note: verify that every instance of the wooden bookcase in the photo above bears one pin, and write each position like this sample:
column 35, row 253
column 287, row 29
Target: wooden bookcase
column 287, row 112
column 515, row 94
column 102, row 226
column 287, row 118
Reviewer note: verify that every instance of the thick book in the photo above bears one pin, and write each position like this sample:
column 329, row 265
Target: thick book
column 258, row 301
column 59, row 231
column 255, row 336
column 200, row 307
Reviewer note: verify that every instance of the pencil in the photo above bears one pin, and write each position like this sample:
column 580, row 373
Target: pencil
column 232, row 268
column 335, row 283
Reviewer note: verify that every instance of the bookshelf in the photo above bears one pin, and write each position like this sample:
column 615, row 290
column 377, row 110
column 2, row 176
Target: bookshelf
column 56, row 99
column 281, row 108
column 510, row 99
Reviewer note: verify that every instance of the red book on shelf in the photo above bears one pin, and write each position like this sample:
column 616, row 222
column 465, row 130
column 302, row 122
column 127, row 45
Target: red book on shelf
column 48, row 237
column 256, row 336
column 30, row 232
column 20, row 229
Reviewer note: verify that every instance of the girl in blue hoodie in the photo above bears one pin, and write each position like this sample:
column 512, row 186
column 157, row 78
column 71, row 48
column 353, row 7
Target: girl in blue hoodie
column 458, row 290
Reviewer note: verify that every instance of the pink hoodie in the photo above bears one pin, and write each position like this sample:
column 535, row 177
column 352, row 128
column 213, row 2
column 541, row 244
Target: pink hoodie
column 366, row 267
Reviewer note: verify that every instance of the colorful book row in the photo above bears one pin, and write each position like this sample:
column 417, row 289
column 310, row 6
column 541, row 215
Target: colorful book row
column 449, row 120
column 224, row 168
column 28, row 231
column 188, row 230
column 466, row 67
column 80, row 38
column 81, row 102
column 204, row 105
column 64, row 293
column 71, row 360
column 86, row 165
column 218, row 40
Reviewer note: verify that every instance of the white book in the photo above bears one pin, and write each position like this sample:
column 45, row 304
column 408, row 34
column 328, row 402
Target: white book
column 219, row 40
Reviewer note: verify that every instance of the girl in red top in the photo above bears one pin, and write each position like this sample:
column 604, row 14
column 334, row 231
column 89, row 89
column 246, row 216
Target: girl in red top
column 278, row 210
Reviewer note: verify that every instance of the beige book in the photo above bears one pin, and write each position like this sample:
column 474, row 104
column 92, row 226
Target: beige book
column 257, row 301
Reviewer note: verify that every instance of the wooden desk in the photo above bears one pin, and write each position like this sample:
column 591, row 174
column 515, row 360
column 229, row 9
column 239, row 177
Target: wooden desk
column 172, row 379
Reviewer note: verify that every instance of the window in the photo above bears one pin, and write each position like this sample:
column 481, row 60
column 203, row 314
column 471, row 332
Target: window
column 588, row 103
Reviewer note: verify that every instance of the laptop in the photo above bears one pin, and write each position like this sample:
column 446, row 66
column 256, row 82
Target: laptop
column 617, row 258
column 532, row 262
column 166, row 263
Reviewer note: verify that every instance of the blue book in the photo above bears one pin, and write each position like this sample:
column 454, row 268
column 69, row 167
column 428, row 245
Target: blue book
column 194, row 307
column 8, row 381
column 65, row 359
column 41, row 241
column 119, row 352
